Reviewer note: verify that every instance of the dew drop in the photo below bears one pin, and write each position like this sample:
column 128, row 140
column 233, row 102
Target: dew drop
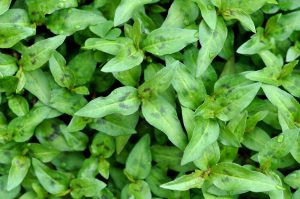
column 280, row 138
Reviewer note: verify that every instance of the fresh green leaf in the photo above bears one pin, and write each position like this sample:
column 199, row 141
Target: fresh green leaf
column 164, row 41
column 186, row 182
column 212, row 41
column 238, row 179
column 138, row 164
column 88, row 187
column 17, row 172
column 14, row 26
column 54, row 182
column 205, row 133
column 69, row 21
column 39, row 53
column 123, row 100
column 162, row 115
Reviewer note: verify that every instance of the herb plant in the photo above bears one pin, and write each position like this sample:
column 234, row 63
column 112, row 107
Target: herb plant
column 141, row 99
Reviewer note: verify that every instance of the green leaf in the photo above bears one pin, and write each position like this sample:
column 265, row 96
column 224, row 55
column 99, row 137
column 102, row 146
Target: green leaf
column 291, row 83
column 17, row 172
column 278, row 146
column 139, row 190
column 270, row 59
column 123, row 100
column 164, row 41
column 65, row 101
column 288, row 4
column 87, row 187
column 186, row 182
column 4, row 6
column 55, row 182
column 129, row 77
column 255, row 44
column 62, row 75
column 248, row 7
column 71, row 20
column 293, row 179
column 241, row 16
column 82, row 74
column 296, row 194
column 49, row 134
column 157, row 83
column 209, row 157
column 267, row 75
column 162, row 115
column 208, row 12
column 8, row 84
column 138, row 163
column 14, row 26
column 126, row 9
column 237, row 100
column 18, row 105
column 288, row 68
column 22, row 128
column 102, row 29
column 3, row 189
column 116, row 124
column 256, row 139
column 238, row 179
column 191, row 91
column 103, row 168
column 212, row 41
column 180, row 14
column 112, row 47
column 42, row 152
column 103, row 145
column 8, row 65
column 126, row 59
column 293, row 52
column 89, row 168
column 188, row 121
column 205, row 133
column 281, row 99
column 37, row 84
column 38, row 9
column 76, row 140
column 157, row 177
column 40, row 52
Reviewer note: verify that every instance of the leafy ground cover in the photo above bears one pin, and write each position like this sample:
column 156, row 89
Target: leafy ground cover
column 141, row 99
